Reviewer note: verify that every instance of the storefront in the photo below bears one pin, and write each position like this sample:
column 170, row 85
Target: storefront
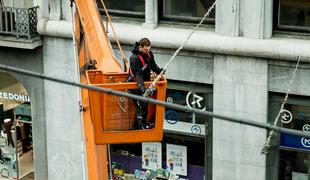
column 289, row 156
column 16, row 158
column 185, row 152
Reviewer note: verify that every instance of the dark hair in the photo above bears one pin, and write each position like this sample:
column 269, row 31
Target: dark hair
column 144, row 42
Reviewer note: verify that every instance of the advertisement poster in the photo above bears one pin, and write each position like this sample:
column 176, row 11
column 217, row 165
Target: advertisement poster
column 151, row 156
column 177, row 159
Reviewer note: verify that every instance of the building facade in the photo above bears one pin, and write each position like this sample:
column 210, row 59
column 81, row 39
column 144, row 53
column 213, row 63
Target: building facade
column 240, row 62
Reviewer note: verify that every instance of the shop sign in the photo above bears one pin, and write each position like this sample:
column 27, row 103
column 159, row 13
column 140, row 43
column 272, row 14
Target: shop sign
column 177, row 159
column 295, row 142
column 196, row 129
column 171, row 116
column 14, row 96
column 151, row 156
column 194, row 100
column 185, row 128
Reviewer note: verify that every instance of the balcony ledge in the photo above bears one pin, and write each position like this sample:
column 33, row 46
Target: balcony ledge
column 21, row 43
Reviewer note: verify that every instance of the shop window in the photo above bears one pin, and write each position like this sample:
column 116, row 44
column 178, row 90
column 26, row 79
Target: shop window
column 292, row 15
column 193, row 96
column 15, row 142
column 293, row 165
column 127, row 158
column 16, row 155
column 134, row 8
column 291, row 152
column 195, row 147
column 188, row 10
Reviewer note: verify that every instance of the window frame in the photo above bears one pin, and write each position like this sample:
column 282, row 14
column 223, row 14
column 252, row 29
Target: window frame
column 278, row 26
column 207, row 90
column 273, row 157
column 121, row 13
column 173, row 18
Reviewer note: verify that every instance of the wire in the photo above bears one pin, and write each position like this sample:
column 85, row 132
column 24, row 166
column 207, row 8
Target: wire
column 267, row 145
column 116, row 38
column 153, row 101
column 78, row 77
column 151, row 87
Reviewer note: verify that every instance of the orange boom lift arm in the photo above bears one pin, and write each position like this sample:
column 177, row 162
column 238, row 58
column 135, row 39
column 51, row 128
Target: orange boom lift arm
column 107, row 118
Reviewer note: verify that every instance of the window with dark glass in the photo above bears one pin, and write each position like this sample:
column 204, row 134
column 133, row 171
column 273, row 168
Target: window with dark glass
column 292, row 14
column 294, row 163
column 293, row 151
column 198, row 98
column 124, row 7
column 190, row 10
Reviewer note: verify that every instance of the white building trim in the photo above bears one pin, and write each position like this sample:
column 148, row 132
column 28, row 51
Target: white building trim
column 202, row 40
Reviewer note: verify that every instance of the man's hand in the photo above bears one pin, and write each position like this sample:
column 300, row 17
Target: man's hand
column 142, row 89
column 163, row 73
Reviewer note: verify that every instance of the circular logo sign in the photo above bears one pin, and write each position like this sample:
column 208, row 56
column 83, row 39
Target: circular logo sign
column 169, row 100
column 305, row 142
column 196, row 129
column 171, row 116
column 196, row 101
column 286, row 116
column 306, row 128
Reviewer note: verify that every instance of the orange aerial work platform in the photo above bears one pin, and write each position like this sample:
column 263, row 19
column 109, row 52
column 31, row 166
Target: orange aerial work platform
column 113, row 116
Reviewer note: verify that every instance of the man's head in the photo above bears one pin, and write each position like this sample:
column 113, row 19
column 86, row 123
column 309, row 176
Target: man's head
column 144, row 45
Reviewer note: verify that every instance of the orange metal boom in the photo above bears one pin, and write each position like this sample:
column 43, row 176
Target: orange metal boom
column 107, row 118
column 93, row 45
column 96, row 38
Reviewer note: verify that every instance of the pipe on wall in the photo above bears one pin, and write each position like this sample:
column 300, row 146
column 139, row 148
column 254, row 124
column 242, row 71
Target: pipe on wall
column 61, row 29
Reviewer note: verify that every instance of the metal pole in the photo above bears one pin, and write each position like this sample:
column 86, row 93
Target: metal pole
column 153, row 101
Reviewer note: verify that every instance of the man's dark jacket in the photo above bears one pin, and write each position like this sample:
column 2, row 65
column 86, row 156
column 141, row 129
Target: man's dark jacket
column 136, row 66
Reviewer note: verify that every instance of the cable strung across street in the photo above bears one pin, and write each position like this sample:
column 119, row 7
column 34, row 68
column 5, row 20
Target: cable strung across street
column 179, row 49
column 267, row 144
column 153, row 101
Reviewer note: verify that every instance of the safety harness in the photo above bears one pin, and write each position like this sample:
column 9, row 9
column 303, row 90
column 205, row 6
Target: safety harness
column 143, row 66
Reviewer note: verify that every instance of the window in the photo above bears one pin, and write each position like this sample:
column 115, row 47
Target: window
column 290, row 152
column 195, row 147
column 128, row 156
column 124, row 7
column 293, row 165
column 188, row 10
column 191, row 95
column 292, row 14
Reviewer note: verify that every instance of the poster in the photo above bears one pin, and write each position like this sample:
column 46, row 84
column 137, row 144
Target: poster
column 151, row 156
column 177, row 159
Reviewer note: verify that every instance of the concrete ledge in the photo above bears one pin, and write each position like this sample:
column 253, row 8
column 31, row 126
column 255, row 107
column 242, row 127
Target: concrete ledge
column 20, row 43
column 208, row 41
column 202, row 40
